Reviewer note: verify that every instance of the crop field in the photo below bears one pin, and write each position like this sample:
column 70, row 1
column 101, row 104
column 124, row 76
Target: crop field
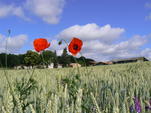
column 120, row 88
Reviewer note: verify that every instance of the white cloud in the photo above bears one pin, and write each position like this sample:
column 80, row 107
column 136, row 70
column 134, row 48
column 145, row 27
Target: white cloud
column 12, row 10
column 13, row 44
column 148, row 5
column 48, row 10
column 109, row 49
column 148, row 17
column 1, row 36
column 146, row 52
column 99, row 42
column 105, row 51
column 92, row 32
column 133, row 43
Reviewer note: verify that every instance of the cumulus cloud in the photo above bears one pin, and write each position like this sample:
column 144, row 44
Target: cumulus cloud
column 99, row 42
column 47, row 10
column 148, row 17
column 12, row 44
column 104, row 51
column 146, row 52
column 12, row 10
column 92, row 32
column 148, row 5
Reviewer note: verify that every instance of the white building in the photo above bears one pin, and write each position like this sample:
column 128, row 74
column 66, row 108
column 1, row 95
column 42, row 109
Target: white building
column 51, row 65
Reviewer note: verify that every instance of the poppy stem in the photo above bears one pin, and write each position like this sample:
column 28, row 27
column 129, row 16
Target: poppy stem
column 5, row 70
column 73, row 57
column 44, row 62
column 65, row 42
column 77, row 65
column 84, row 62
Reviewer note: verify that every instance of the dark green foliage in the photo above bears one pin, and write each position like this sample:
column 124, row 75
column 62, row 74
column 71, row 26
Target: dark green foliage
column 21, row 59
column 64, row 58
column 32, row 58
column 84, row 61
column 55, row 60
column 48, row 57
column 12, row 60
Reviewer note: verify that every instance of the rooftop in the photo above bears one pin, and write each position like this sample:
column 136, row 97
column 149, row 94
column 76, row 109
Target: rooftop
column 128, row 59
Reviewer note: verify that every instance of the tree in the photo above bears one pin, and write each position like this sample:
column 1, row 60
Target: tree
column 64, row 59
column 2, row 60
column 84, row 61
column 72, row 59
column 48, row 57
column 12, row 60
column 55, row 59
column 32, row 58
column 21, row 59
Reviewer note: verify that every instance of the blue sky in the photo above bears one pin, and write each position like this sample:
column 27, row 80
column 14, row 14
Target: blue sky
column 109, row 28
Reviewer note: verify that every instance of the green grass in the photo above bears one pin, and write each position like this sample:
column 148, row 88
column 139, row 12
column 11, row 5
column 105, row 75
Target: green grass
column 99, row 89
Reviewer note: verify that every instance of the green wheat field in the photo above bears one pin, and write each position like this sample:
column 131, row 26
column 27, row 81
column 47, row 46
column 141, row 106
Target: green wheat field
column 98, row 89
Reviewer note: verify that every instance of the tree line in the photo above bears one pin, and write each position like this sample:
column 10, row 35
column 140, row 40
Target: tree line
column 31, row 58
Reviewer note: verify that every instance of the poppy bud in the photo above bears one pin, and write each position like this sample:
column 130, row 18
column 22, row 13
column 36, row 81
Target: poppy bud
column 60, row 42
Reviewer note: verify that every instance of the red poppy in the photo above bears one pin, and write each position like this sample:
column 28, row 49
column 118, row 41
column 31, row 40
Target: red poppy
column 41, row 44
column 75, row 46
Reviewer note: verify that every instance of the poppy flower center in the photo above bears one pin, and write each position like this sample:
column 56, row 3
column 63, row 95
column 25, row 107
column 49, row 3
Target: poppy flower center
column 75, row 47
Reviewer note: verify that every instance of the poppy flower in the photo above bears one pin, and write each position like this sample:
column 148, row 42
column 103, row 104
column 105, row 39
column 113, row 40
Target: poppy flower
column 40, row 44
column 75, row 46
